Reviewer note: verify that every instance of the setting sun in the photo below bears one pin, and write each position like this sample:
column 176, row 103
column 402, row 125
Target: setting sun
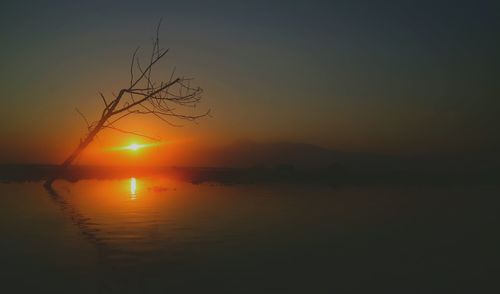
column 133, row 147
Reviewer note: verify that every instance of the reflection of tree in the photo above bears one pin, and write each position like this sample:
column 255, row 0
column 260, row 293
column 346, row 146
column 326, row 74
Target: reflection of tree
column 78, row 219
column 88, row 228
column 106, row 250
column 166, row 99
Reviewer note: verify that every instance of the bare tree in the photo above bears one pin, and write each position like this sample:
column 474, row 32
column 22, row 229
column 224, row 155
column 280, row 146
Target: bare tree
column 166, row 99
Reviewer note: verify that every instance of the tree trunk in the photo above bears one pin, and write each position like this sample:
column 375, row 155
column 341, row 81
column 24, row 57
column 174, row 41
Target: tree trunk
column 79, row 149
column 63, row 166
column 83, row 144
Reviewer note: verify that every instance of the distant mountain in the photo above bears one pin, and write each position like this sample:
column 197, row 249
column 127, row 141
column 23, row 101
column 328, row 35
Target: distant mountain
column 302, row 155
column 248, row 154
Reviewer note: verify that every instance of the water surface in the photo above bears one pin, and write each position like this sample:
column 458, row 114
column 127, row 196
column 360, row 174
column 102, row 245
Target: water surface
column 153, row 235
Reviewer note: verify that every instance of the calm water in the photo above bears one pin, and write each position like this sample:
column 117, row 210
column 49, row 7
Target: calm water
column 155, row 235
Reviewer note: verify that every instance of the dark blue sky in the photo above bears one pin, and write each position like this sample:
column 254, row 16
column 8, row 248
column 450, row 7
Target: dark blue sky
column 411, row 77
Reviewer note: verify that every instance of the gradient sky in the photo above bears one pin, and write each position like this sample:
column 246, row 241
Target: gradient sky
column 394, row 77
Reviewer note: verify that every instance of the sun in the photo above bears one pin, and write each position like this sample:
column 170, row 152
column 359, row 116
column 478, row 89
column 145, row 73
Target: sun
column 133, row 147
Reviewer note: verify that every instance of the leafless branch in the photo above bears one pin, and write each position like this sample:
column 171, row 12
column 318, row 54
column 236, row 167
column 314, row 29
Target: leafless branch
column 132, row 133
column 166, row 99
column 84, row 118
column 104, row 100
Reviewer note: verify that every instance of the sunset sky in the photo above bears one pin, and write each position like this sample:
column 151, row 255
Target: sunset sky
column 392, row 77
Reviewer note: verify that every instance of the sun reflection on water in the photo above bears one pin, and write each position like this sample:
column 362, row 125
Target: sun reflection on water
column 133, row 187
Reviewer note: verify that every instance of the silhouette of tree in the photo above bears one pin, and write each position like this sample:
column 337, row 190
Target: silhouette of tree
column 144, row 95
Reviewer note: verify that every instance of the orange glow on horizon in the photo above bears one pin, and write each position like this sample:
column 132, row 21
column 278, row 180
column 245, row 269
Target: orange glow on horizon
column 111, row 151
